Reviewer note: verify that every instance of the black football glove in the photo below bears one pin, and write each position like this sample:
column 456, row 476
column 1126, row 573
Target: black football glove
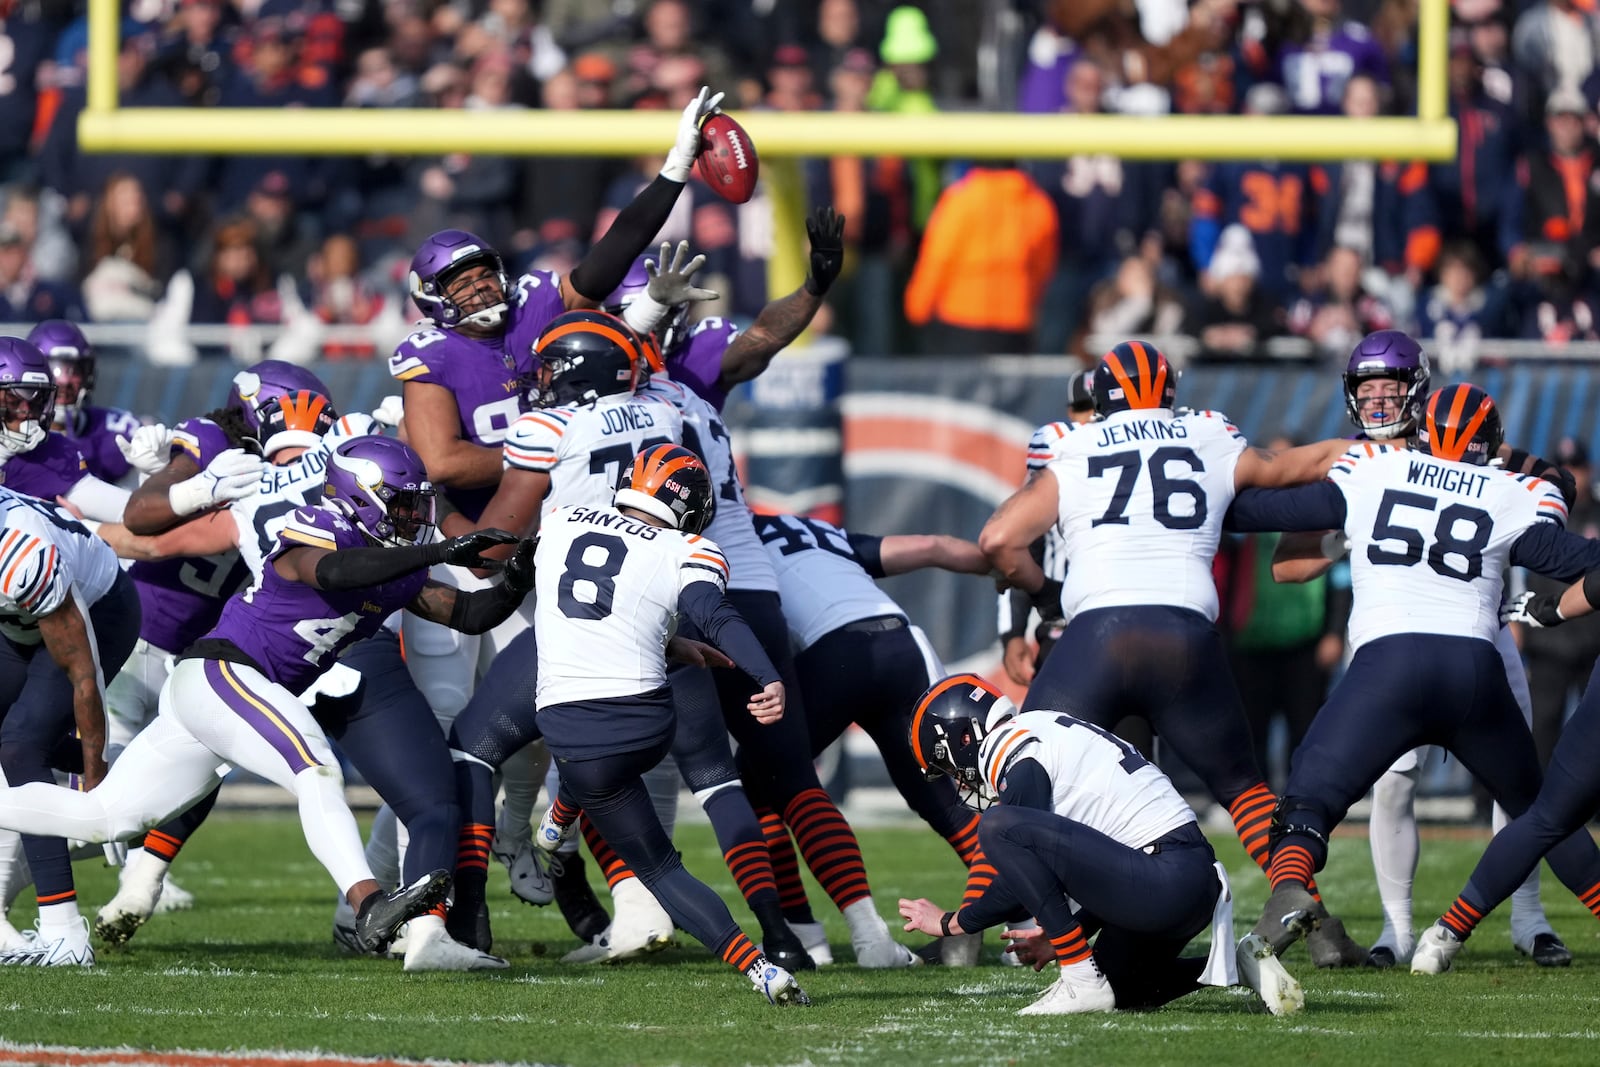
column 518, row 570
column 1538, row 610
column 825, row 228
column 468, row 549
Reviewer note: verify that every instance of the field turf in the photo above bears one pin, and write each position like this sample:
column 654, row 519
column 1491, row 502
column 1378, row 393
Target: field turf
column 253, row 968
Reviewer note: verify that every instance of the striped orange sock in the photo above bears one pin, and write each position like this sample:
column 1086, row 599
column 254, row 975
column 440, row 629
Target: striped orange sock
column 1591, row 899
column 829, row 847
column 1070, row 947
column 1251, row 812
column 1290, row 863
column 1463, row 918
column 965, row 841
column 440, row 910
column 611, row 864
column 751, row 866
column 564, row 814
column 785, row 867
column 162, row 845
column 980, row 876
column 740, row 954
column 472, row 847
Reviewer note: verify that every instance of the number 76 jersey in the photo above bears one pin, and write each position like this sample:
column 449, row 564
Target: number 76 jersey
column 1142, row 496
column 1430, row 539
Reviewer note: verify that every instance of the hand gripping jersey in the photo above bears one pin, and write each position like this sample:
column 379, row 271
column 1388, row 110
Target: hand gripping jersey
column 96, row 432
column 487, row 376
column 1096, row 778
column 294, row 632
column 585, row 448
column 182, row 598
column 49, row 471
column 608, row 588
column 44, row 555
column 1430, row 539
column 731, row 527
column 698, row 362
column 1142, row 496
column 824, row 576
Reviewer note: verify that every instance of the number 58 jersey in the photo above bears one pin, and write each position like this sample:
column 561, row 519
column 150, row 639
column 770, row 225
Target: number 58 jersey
column 1142, row 496
column 607, row 589
column 1430, row 539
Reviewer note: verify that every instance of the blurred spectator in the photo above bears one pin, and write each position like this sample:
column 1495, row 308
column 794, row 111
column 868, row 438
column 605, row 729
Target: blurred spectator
column 561, row 195
column 1238, row 316
column 1314, row 64
column 338, row 295
column 1131, row 303
column 1470, row 192
column 670, row 56
column 1267, row 198
column 39, row 216
column 1460, row 311
column 28, row 40
column 593, row 78
column 1560, row 310
column 515, row 30
column 24, row 297
column 1555, row 44
column 838, row 33
column 283, row 235
column 989, row 250
column 127, row 262
column 902, row 88
column 379, row 83
column 789, row 80
column 1560, row 227
column 578, row 24
column 236, row 287
column 1341, row 311
column 470, row 192
column 1561, row 658
column 196, row 51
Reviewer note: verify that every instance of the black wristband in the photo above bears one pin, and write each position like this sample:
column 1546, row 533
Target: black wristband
column 609, row 261
column 944, row 923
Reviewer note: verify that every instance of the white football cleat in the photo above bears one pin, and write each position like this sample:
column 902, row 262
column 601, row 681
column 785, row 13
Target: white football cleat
column 815, row 941
column 70, row 948
column 528, row 870
column 173, row 896
column 1436, row 950
column 1260, row 969
column 875, row 947
column 1080, row 989
column 549, row 836
column 431, row 949
column 778, row 986
column 10, row 937
column 139, row 889
column 639, row 926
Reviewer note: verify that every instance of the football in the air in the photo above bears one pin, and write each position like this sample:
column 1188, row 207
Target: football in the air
column 728, row 160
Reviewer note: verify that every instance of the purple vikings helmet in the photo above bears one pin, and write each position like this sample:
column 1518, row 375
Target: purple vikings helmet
column 671, row 331
column 381, row 486
column 439, row 259
column 1393, row 355
column 71, row 365
column 27, row 392
column 268, row 380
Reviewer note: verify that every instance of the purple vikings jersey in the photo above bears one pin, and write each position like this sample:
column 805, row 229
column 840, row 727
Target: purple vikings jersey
column 698, row 364
column 96, row 436
column 486, row 376
column 49, row 471
column 294, row 632
column 181, row 598
column 1314, row 74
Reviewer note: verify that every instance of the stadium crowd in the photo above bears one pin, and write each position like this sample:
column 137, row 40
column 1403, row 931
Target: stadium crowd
column 1501, row 243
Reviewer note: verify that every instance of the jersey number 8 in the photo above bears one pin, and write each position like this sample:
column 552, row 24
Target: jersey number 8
column 593, row 563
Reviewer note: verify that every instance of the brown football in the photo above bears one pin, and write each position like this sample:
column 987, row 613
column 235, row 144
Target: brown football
column 728, row 160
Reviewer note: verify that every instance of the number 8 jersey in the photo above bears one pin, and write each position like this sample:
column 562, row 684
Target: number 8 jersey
column 1142, row 496
column 1430, row 539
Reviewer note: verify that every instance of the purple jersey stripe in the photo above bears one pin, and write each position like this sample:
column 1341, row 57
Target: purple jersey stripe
column 226, row 682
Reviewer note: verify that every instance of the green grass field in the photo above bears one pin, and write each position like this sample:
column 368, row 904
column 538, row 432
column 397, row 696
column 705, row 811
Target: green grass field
column 253, row 967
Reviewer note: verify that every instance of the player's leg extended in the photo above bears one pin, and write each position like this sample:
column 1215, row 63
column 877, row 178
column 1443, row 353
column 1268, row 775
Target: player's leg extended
column 1392, row 836
column 522, row 773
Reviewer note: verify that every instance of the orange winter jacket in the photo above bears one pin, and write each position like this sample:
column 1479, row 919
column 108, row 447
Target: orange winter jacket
column 988, row 251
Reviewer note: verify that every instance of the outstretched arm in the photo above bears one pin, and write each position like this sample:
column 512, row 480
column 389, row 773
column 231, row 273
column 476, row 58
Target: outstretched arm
column 784, row 319
column 1010, row 532
column 1265, row 469
column 903, row 553
column 211, row 533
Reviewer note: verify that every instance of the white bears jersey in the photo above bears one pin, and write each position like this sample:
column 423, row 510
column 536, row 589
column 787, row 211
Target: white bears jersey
column 823, row 581
column 607, row 588
column 1430, row 539
column 1142, row 497
column 1096, row 778
column 585, row 448
column 44, row 554
column 706, row 436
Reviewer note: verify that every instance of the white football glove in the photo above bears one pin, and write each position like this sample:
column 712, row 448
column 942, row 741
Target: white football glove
column 671, row 285
column 233, row 475
column 25, row 438
column 391, row 411
column 1335, row 545
column 680, row 159
column 148, row 449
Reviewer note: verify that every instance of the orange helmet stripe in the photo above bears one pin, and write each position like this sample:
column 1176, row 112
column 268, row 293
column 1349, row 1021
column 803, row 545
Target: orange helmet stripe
column 1145, row 389
column 650, row 471
column 628, row 341
column 301, row 409
column 922, row 707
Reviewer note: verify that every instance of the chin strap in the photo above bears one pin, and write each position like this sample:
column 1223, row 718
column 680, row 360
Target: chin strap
column 489, row 317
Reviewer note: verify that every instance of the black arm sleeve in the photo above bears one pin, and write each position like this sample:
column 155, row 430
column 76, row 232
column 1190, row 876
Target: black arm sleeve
column 363, row 568
column 607, row 263
column 1340, row 598
column 1547, row 549
column 722, row 625
column 482, row 610
column 1026, row 785
column 1319, row 506
column 869, row 553
column 1015, row 606
column 997, row 905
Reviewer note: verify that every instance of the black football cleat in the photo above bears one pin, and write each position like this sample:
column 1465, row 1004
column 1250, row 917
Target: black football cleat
column 583, row 911
column 784, row 949
column 1548, row 950
column 382, row 914
column 468, row 923
column 1381, row 957
column 1330, row 945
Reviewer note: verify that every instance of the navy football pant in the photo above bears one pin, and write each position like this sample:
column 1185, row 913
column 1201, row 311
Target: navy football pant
column 1166, row 664
column 497, row 722
column 1400, row 692
column 1147, row 906
column 1568, row 799
column 36, row 720
column 395, row 742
